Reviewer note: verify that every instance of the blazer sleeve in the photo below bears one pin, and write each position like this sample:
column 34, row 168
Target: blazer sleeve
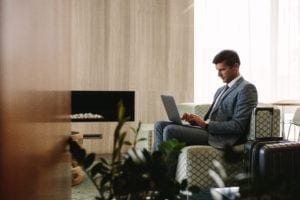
column 246, row 101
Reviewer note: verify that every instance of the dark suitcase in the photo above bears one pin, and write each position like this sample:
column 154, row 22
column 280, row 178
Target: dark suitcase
column 252, row 147
column 279, row 160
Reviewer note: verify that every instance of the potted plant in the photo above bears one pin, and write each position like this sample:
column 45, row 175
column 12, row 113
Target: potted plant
column 136, row 174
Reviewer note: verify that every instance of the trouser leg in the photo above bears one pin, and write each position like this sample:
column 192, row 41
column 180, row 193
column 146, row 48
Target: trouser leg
column 165, row 130
column 158, row 133
column 188, row 135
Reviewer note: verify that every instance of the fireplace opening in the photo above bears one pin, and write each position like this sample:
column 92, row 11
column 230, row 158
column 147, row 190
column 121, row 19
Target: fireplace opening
column 100, row 106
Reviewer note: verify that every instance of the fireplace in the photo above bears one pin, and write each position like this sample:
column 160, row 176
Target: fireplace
column 100, row 106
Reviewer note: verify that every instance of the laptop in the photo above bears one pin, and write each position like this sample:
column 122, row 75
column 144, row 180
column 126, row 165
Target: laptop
column 172, row 111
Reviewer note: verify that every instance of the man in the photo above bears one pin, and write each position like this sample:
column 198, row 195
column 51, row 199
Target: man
column 227, row 120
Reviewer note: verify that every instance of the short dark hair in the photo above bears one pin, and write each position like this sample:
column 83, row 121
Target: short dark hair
column 229, row 57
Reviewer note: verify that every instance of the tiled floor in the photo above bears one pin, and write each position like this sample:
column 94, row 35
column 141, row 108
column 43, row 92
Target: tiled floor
column 87, row 191
column 84, row 191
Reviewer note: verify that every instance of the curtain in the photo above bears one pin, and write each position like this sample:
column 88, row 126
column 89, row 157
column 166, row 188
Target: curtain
column 266, row 35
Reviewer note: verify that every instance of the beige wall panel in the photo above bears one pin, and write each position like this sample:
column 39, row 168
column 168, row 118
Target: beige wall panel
column 105, row 144
column 100, row 45
column 97, row 145
column 88, row 45
column 144, row 46
column 181, row 50
column 149, row 45
column 35, row 99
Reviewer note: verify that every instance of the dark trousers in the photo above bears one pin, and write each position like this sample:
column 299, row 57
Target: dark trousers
column 165, row 130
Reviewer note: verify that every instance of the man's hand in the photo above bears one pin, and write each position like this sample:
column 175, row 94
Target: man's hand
column 194, row 119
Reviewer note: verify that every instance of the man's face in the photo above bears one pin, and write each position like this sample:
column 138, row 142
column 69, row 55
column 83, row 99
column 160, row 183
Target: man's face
column 227, row 73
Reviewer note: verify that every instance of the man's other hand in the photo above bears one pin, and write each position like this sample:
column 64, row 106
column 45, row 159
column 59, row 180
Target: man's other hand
column 194, row 119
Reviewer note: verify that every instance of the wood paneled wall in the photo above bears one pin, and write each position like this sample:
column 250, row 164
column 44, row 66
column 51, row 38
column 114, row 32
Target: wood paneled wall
column 140, row 45
column 34, row 100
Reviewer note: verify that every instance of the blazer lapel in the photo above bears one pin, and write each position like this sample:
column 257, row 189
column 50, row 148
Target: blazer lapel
column 210, row 110
column 219, row 101
column 226, row 93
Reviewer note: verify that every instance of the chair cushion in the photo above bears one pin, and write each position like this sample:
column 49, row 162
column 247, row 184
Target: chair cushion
column 195, row 161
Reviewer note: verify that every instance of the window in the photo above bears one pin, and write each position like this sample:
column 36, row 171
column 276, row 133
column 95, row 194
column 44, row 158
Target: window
column 265, row 33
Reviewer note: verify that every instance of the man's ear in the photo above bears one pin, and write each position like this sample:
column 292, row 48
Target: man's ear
column 236, row 65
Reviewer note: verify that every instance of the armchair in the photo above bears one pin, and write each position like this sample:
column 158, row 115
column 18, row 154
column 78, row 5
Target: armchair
column 195, row 161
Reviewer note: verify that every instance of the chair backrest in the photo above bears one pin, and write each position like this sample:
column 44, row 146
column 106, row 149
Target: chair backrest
column 202, row 109
column 296, row 118
column 259, row 125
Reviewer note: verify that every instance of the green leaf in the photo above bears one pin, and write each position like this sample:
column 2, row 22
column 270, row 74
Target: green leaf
column 116, row 146
column 141, row 139
column 133, row 130
column 88, row 161
column 104, row 161
column 194, row 189
column 122, row 137
column 105, row 179
column 99, row 168
column 147, row 155
column 139, row 127
column 128, row 143
column 121, row 111
column 171, row 146
column 183, row 184
column 117, row 150
column 116, row 163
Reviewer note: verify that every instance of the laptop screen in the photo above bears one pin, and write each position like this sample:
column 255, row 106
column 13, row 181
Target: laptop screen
column 171, row 109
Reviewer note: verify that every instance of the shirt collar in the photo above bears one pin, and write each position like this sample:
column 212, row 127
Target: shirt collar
column 231, row 83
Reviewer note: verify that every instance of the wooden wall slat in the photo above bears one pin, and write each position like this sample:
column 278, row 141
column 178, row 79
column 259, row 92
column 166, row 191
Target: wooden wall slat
column 145, row 46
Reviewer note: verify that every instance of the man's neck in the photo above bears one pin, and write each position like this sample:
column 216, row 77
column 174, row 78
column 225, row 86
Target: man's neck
column 233, row 81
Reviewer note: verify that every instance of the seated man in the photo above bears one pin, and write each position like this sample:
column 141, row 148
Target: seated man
column 227, row 120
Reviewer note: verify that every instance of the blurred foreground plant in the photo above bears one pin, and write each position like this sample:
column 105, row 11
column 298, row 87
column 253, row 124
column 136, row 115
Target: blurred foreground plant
column 137, row 174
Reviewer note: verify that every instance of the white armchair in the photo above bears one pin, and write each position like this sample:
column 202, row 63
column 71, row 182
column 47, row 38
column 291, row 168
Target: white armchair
column 195, row 161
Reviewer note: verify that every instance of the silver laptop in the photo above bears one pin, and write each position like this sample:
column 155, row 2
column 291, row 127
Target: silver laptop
column 172, row 111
